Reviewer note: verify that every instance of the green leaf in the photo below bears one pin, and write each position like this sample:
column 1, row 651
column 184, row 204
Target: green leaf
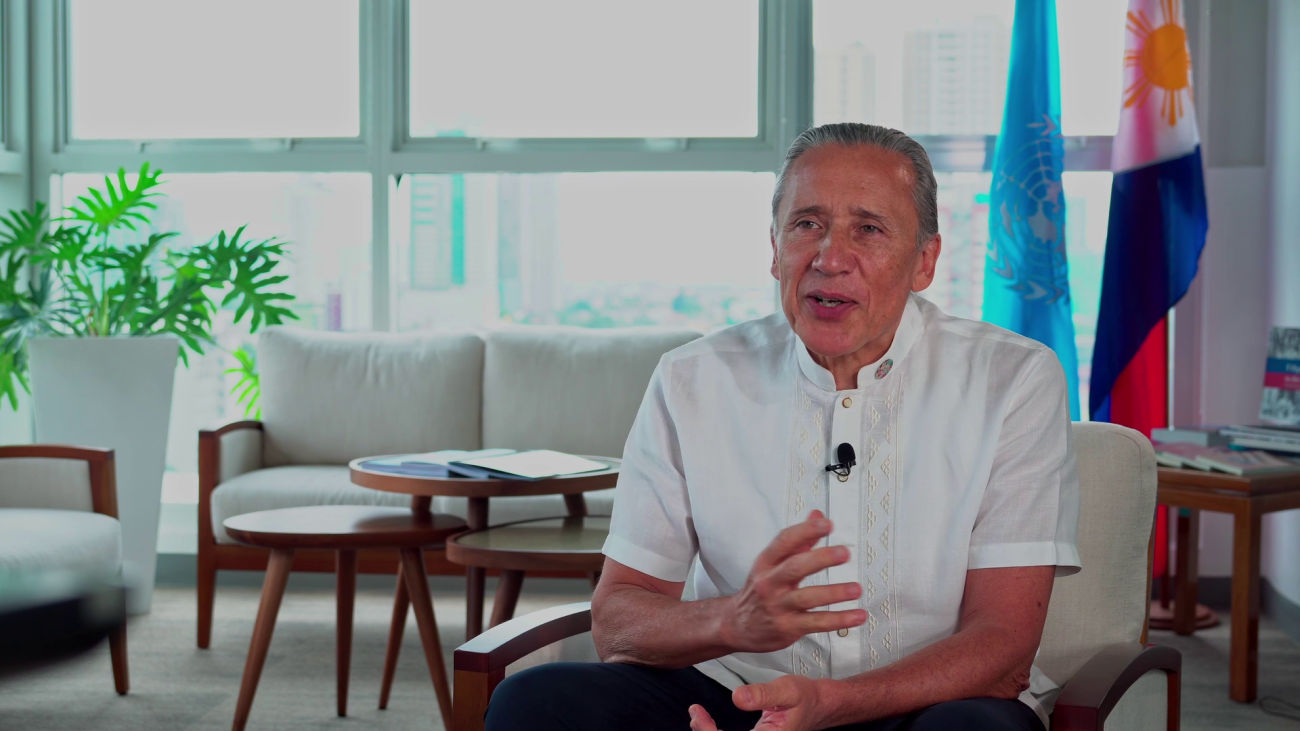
column 124, row 207
column 248, row 391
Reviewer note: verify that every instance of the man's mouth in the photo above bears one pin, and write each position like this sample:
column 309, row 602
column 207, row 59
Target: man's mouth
column 827, row 302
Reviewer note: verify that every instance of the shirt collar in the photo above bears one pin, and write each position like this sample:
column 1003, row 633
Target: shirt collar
column 909, row 327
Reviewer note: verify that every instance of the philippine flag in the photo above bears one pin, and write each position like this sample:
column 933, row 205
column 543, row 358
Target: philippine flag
column 1157, row 220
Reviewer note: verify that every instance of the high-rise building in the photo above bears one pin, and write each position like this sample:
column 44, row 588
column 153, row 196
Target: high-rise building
column 528, row 256
column 955, row 78
column 437, row 231
column 845, row 87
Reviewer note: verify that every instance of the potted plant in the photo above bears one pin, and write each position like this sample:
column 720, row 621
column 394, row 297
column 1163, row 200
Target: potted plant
column 94, row 310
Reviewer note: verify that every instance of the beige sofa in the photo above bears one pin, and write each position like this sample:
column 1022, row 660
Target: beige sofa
column 328, row 398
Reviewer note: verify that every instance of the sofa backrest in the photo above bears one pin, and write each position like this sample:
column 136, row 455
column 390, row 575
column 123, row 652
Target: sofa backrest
column 1106, row 602
column 328, row 398
column 569, row 389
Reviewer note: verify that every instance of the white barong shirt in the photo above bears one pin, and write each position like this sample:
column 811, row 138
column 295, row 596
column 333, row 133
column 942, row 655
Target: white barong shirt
column 964, row 461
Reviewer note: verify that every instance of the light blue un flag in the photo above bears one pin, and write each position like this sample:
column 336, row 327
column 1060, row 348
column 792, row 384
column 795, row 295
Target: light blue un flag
column 1026, row 275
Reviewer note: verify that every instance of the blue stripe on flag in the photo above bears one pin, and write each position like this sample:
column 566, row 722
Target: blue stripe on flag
column 1157, row 229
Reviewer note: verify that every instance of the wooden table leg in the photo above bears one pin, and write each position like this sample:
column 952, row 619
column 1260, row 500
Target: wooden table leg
column 576, row 504
column 1187, row 581
column 503, row 607
column 277, row 575
column 420, row 505
column 395, row 630
column 345, row 587
column 475, row 577
column 417, row 588
column 1244, row 656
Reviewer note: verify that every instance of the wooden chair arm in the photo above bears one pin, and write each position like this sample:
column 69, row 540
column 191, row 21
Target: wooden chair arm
column 210, row 471
column 1089, row 697
column 103, row 470
column 480, row 664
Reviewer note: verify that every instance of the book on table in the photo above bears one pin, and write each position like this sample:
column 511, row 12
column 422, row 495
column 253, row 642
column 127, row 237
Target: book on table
column 1275, row 438
column 1280, row 403
column 537, row 464
column 1249, row 464
column 1200, row 435
column 429, row 464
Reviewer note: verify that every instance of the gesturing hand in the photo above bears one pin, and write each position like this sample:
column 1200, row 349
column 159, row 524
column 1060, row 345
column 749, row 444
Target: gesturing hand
column 789, row 703
column 771, row 612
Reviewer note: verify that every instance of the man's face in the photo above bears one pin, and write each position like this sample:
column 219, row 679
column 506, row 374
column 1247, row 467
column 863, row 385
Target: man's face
column 844, row 250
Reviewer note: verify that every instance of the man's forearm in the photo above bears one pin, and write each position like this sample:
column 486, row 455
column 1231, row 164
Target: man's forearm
column 634, row 625
column 981, row 661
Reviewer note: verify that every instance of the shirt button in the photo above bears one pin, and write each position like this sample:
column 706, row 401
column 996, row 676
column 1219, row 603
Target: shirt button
column 843, row 633
column 847, row 402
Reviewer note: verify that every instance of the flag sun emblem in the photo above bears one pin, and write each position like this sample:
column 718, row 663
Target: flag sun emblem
column 1161, row 59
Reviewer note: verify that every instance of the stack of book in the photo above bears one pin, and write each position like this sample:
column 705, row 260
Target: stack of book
column 1273, row 438
column 1237, row 450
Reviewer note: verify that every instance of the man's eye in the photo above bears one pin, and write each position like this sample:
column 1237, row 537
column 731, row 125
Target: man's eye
column 870, row 229
column 805, row 224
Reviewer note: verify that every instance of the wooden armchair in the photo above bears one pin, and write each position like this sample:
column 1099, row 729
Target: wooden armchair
column 58, row 512
column 1094, row 641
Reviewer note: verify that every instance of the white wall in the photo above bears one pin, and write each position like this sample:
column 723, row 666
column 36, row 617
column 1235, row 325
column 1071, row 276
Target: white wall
column 1222, row 325
column 1282, row 530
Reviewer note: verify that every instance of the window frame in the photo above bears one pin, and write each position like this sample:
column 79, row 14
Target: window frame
column 385, row 149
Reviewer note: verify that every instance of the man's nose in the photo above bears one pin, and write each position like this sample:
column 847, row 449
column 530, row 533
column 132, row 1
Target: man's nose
column 833, row 256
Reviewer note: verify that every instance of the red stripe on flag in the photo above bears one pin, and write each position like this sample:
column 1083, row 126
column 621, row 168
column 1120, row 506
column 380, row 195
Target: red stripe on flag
column 1140, row 400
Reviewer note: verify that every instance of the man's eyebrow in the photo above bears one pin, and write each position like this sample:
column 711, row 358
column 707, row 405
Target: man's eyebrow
column 806, row 210
column 859, row 212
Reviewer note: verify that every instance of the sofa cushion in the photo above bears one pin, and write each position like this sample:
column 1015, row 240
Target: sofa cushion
column 294, row 487
column 291, row 487
column 569, row 389
column 328, row 398
column 71, row 540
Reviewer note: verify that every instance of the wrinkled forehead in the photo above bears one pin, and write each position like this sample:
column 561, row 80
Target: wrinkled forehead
column 839, row 178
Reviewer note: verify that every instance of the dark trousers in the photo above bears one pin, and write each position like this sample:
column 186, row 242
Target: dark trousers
column 573, row 696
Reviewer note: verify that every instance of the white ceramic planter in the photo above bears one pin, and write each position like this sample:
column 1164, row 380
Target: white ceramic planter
column 114, row 393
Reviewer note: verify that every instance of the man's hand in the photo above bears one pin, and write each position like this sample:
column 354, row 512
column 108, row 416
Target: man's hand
column 789, row 703
column 771, row 612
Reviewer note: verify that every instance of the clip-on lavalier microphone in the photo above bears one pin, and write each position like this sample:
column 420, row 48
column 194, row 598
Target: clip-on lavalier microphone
column 847, row 459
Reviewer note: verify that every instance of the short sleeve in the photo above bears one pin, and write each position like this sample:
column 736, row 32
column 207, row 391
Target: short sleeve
column 651, row 529
column 1029, row 515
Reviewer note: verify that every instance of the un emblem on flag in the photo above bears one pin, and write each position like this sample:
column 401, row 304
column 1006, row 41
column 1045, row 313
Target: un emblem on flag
column 1027, row 213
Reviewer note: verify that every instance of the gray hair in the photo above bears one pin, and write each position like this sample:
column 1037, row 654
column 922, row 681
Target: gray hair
column 925, row 190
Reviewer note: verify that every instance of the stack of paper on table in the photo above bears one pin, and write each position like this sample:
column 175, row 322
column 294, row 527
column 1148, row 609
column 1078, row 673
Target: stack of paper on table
column 537, row 464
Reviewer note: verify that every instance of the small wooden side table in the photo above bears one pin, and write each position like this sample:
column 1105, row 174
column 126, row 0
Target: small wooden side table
column 1246, row 499
column 478, row 492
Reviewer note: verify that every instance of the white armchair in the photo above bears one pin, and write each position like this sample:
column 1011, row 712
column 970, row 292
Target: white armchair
column 58, row 512
column 1094, row 642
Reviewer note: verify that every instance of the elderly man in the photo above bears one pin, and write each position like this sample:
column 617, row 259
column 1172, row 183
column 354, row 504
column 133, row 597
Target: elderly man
column 874, row 496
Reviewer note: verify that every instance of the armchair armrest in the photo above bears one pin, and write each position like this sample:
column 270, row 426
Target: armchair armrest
column 216, row 466
column 480, row 664
column 1089, row 697
column 101, row 462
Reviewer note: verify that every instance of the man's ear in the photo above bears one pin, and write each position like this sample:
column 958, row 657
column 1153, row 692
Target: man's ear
column 776, row 270
column 926, row 261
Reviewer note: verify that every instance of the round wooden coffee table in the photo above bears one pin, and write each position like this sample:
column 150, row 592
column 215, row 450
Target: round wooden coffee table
column 478, row 492
column 345, row 529
column 572, row 543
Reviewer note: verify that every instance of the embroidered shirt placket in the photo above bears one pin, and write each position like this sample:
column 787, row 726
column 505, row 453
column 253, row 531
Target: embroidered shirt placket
column 846, row 426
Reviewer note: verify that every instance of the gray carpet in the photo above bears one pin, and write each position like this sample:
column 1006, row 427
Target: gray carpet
column 175, row 686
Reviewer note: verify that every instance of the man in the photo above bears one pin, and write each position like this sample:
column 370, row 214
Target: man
column 900, row 583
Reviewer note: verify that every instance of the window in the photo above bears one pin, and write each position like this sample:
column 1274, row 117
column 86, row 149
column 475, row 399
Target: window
column 325, row 216
column 589, row 249
column 939, row 67
column 584, row 68
column 163, row 69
